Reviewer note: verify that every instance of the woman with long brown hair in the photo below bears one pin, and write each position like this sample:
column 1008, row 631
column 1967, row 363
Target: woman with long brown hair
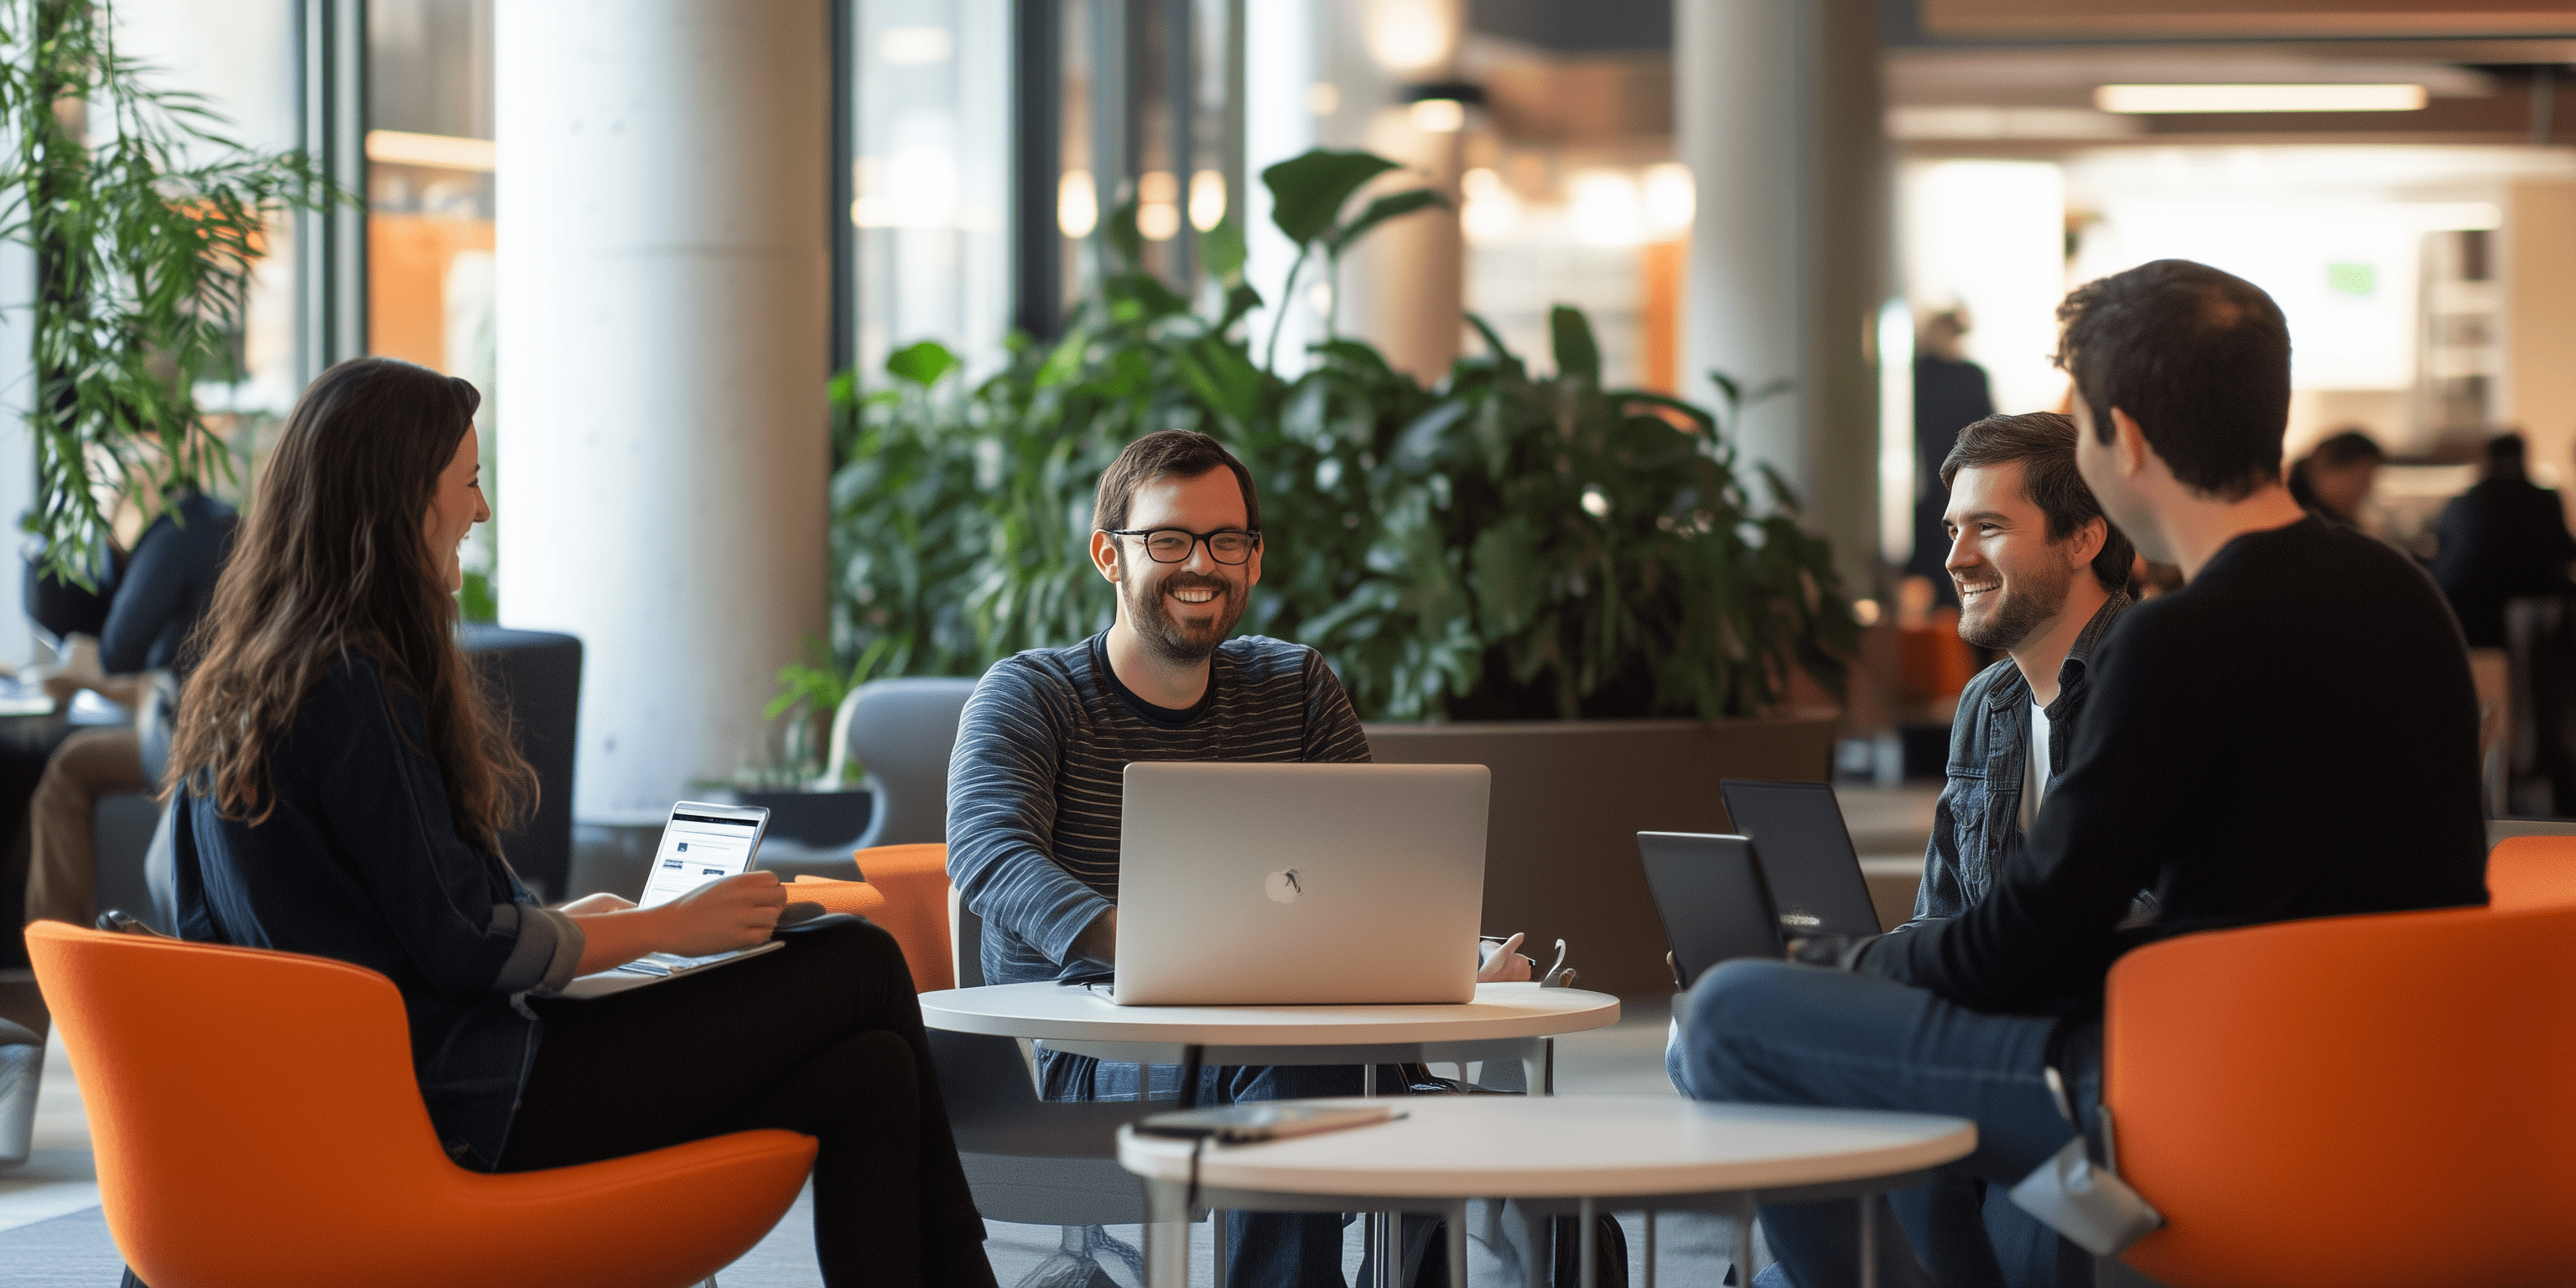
column 344, row 787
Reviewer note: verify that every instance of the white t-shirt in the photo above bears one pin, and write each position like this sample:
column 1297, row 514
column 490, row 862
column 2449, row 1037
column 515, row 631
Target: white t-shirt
column 2035, row 767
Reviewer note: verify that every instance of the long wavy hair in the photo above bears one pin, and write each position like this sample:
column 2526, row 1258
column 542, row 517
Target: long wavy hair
column 332, row 558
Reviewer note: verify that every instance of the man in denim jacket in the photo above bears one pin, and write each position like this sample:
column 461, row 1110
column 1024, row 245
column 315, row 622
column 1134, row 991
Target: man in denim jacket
column 2041, row 575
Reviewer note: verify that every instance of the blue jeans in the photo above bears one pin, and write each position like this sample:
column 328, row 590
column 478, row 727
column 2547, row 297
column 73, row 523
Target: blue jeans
column 1263, row 1249
column 1774, row 1033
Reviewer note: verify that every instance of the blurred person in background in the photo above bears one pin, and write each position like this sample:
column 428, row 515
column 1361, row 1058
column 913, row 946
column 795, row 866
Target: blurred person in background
column 156, row 602
column 2334, row 481
column 2504, row 537
column 1950, row 394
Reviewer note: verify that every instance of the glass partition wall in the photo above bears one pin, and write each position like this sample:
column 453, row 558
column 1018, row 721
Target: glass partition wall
column 989, row 142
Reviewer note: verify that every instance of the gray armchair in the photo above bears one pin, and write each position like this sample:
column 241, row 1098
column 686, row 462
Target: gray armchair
column 903, row 731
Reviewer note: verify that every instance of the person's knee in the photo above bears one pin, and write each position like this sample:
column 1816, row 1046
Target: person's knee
column 859, row 944
column 869, row 1073
column 60, row 789
column 1732, row 998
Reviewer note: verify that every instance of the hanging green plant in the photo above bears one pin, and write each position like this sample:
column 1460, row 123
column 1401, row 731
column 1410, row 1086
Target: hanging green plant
column 146, row 219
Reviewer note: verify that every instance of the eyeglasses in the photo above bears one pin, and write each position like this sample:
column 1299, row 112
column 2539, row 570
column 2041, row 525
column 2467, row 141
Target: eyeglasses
column 1173, row 545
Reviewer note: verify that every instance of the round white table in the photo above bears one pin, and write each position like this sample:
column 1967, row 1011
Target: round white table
column 1504, row 1022
column 1639, row 1153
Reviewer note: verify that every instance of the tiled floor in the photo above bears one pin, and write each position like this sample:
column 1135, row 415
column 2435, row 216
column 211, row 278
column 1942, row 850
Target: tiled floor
column 52, row 1233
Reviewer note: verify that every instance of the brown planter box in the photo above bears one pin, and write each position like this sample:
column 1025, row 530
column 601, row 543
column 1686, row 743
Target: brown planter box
column 1569, row 799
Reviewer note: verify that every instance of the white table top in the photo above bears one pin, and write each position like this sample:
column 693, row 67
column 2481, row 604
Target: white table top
column 1569, row 1147
column 1050, row 1011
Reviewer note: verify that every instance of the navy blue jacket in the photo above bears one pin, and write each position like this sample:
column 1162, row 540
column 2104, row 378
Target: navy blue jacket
column 165, row 588
column 359, row 861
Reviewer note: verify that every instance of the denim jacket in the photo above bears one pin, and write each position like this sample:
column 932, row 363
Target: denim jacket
column 1976, row 825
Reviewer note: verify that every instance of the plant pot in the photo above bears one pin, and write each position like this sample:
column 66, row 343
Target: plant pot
column 1569, row 798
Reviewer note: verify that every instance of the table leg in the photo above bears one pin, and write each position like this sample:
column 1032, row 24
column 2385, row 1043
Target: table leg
column 1193, row 1058
column 1587, row 1245
column 1868, row 1241
column 1746, row 1213
column 1167, row 1235
column 1458, row 1245
column 1650, row 1249
column 1216, row 1237
column 1379, row 1230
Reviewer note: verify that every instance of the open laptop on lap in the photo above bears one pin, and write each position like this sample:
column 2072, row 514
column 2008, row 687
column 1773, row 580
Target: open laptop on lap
column 1300, row 884
column 1806, row 856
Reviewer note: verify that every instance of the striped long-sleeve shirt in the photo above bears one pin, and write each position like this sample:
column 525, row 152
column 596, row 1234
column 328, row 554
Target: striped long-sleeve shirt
column 1036, row 782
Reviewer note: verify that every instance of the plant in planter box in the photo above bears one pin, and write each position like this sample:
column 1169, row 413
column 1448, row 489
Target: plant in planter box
column 1553, row 550
column 1504, row 546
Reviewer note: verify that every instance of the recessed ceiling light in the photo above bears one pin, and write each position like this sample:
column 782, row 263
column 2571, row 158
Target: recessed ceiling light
column 2259, row 98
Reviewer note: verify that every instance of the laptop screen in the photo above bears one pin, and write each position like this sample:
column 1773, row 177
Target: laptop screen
column 1815, row 878
column 1708, row 893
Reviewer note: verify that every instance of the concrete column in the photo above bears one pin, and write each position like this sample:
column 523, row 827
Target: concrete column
column 1779, row 116
column 663, row 321
column 1404, row 286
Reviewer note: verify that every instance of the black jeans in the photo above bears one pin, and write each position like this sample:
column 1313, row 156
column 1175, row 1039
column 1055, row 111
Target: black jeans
column 821, row 1037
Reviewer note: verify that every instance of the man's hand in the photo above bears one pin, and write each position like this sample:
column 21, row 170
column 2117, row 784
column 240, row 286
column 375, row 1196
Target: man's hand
column 1098, row 941
column 1504, row 966
column 720, row 916
column 590, row 905
column 1822, row 950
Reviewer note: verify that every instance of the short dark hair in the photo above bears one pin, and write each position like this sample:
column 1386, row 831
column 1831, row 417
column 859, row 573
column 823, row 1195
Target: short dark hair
column 2199, row 358
column 2350, row 447
column 2506, row 450
column 1180, row 452
column 2044, row 443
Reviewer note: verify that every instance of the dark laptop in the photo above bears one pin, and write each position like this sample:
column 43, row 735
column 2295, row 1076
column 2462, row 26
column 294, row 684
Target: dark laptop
column 1806, row 855
column 1709, row 892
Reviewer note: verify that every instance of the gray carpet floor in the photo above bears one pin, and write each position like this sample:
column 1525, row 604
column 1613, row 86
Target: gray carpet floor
column 74, row 1251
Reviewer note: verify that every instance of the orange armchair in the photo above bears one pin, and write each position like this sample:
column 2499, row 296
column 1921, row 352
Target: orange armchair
column 2532, row 872
column 257, row 1125
column 904, row 889
column 2351, row 1100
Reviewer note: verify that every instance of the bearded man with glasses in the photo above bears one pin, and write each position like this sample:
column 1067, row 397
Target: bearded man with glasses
column 1036, row 783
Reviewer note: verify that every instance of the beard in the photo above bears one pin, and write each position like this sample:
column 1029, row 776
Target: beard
column 1169, row 638
column 2016, row 607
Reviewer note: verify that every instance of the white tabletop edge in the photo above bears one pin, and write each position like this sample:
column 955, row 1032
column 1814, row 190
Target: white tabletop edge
column 1329, row 1165
column 1046, row 1010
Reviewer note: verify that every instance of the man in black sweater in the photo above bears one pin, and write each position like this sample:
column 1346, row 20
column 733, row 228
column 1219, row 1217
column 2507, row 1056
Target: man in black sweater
column 2293, row 734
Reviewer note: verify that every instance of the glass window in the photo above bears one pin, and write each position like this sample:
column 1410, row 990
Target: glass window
column 429, row 214
column 931, row 178
column 242, row 57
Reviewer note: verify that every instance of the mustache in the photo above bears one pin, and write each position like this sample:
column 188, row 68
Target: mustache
column 1192, row 580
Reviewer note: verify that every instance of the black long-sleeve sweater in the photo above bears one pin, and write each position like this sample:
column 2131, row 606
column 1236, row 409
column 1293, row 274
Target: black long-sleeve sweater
column 2294, row 734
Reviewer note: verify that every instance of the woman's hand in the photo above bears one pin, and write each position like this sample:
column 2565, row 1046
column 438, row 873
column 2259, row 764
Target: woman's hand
column 1504, row 966
column 735, row 912
column 591, row 905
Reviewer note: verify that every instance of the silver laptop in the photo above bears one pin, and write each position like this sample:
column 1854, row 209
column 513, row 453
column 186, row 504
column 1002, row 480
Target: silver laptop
column 1247, row 884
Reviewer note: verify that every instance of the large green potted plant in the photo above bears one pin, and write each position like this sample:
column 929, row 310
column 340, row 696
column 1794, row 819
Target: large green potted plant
column 1565, row 582
column 146, row 221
